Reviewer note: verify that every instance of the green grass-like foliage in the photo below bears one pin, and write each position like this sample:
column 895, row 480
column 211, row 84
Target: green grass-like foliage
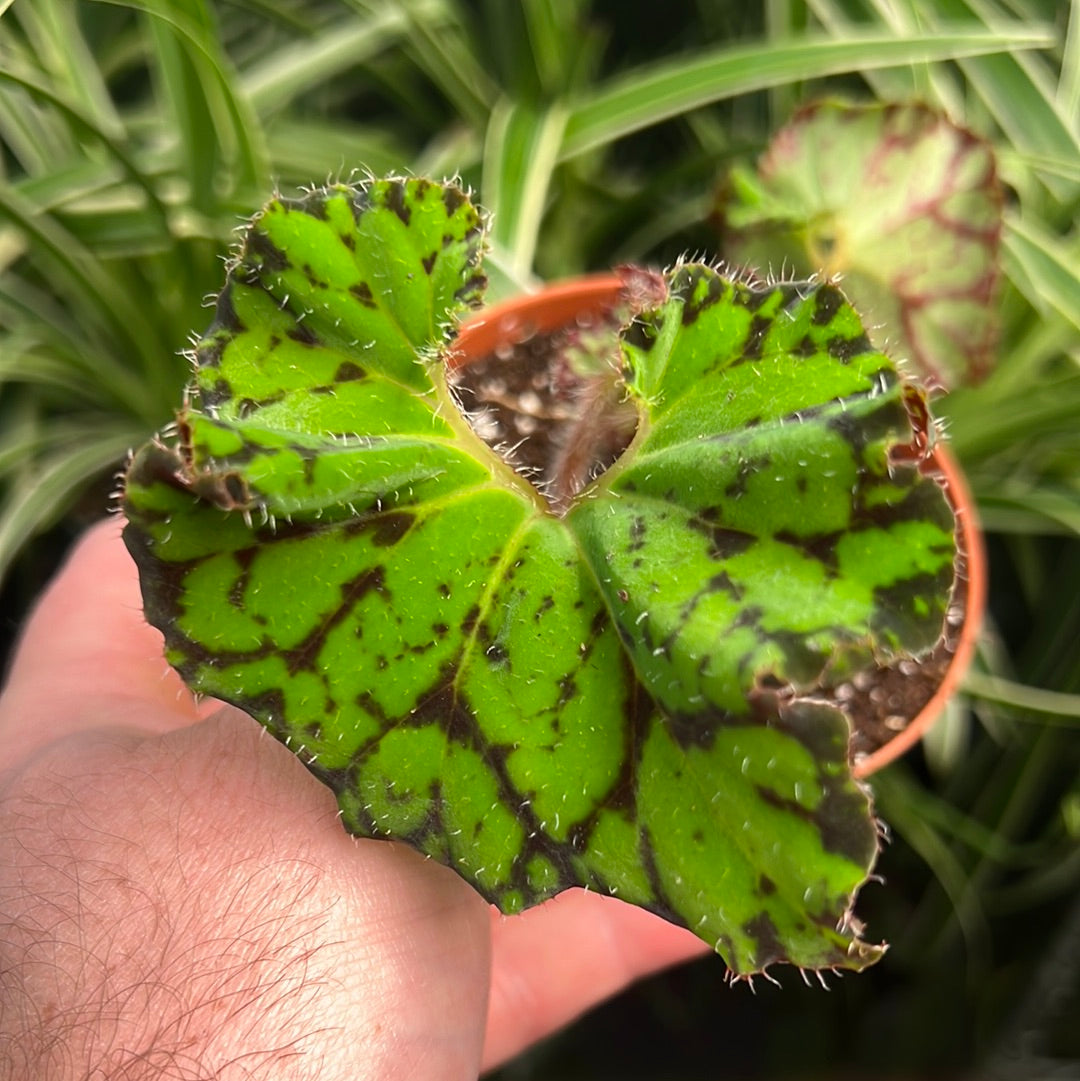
column 620, row 696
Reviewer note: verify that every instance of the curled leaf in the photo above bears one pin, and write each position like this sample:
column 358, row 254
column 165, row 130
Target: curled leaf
column 624, row 690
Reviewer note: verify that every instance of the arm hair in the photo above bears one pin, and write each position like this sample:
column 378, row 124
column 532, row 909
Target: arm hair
column 110, row 972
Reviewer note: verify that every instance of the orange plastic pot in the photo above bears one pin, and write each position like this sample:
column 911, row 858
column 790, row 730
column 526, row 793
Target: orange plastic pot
column 584, row 298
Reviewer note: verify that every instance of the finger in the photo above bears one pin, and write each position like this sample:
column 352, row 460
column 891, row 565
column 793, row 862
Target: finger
column 88, row 658
column 553, row 962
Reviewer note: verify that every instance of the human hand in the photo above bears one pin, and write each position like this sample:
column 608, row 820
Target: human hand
column 178, row 898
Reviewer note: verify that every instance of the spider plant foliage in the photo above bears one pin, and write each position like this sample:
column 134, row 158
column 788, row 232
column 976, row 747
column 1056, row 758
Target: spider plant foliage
column 136, row 135
column 132, row 143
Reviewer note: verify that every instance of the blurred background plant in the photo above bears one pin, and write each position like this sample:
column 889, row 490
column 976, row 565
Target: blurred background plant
column 136, row 134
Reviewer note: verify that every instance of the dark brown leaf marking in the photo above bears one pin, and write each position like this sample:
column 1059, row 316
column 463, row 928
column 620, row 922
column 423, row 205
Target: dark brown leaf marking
column 804, row 664
column 303, row 334
column 306, row 654
column 269, row 706
column 763, row 931
column 470, row 620
column 843, row 349
column 442, row 706
column 723, row 583
column 647, row 855
column 821, row 728
column 895, row 605
column 841, row 820
column 861, row 429
column 923, row 502
column 819, row 546
column 221, row 391
column 395, row 200
column 453, row 199
column 261, row 254
column 723, row 542
column 470, row 292
column 390, row 528
column 313, row 205
column 246, row 406
column 750, row 616
column 227, row 490
column 697, row 730
column 348, row 372
column 682, row 285
column 747, row 468
column 755, row 338
column 752, row 298
column 362, row 292
column 210, row 351
column 313, row 280
column 225, row 317
column 827, row 302
column 643, row 336
column 245, row 557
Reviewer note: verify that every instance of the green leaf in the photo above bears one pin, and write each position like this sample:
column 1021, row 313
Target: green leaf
column 101, row 300
column 276, row 79
column 51, row 484
column 200, row 84
column 84, row 124
column 1044, row 267
column 519, row 157
column 442, row 50
column 648, row 95
column 900, row 203
column 633, row 695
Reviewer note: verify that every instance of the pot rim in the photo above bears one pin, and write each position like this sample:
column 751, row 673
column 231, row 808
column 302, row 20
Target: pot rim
column 522, row 316
column 555, row 305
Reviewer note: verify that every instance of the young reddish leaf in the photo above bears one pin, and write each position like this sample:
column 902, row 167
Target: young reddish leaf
column 900, row 204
